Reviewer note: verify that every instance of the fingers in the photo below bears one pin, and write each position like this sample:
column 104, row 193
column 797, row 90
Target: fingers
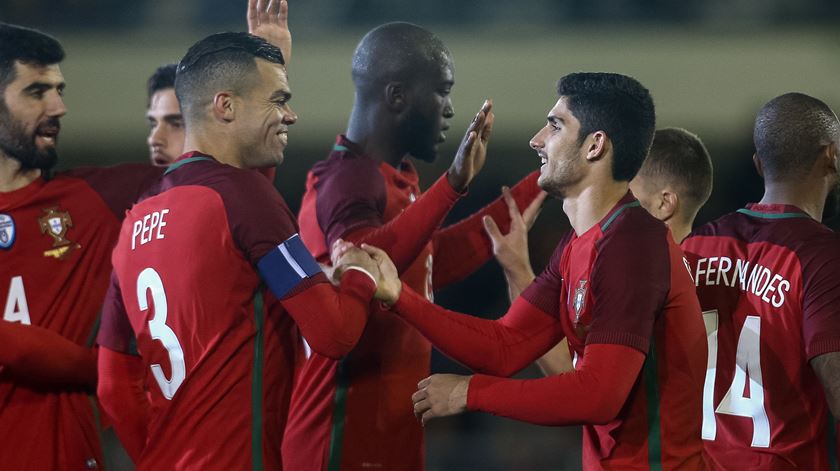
column 284, row 13
column 533, row 210
column 375, row 252
column 252, row 12
column 488, row 127
column 492, row 229
column 273, row 9
column 513, row 209
column 425, row 382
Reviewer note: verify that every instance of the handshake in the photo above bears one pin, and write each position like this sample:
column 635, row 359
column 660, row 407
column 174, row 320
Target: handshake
column 372, row 260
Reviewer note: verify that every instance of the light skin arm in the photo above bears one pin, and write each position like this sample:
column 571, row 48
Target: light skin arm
column 269, row 19
column 827, row 368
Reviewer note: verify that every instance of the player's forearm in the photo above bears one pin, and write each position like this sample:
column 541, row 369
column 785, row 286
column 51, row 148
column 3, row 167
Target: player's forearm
column 501, row 347
column 405, row 236
column 332, row 321
column 36, row 354
column 462, row 248
column 592, row 394
column 124, row 399
column 557, row 360
column 518, row 279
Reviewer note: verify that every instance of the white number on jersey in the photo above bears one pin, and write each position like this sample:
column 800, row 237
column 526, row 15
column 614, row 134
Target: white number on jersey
column 747, row 365
column 16, row 308
column 150, row 280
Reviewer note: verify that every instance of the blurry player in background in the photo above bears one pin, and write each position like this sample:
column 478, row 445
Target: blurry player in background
column 355, row 414
column 166, row 133
column 188, row 270
column 616, row 287
column 56, row 236
column 768, row 279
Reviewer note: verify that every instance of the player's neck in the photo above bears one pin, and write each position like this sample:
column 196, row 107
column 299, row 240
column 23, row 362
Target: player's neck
column 587, row 206
column 12, row 177
column 221, row 148
column 377, row 139
column 679, row 230
column 805, row 196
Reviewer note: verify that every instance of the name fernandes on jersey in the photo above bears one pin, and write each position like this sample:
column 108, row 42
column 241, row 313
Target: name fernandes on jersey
column 146, row 228
column 756, row 279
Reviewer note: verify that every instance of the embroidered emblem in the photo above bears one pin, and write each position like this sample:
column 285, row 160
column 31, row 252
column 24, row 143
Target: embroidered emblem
column 580, row 300
column 7, row 231
column 55, row 223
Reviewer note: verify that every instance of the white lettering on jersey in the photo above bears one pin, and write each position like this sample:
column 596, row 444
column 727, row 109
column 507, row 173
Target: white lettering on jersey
column 17, row 310
column 149, row 228
column 752, row 278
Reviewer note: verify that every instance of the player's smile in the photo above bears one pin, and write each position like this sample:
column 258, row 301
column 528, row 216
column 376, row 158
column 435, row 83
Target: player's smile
column 46, row 134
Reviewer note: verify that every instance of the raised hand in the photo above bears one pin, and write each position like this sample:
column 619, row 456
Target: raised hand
column 389, row 285
column 440, row 395
column 511, row 249
column 473, row 149
column 269, row 19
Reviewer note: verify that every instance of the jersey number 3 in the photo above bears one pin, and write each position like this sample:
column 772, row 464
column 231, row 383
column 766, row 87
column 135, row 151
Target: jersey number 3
column 150, row 280
column 747, row 365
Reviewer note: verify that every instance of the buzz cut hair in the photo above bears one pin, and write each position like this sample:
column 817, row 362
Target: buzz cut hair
column 678, row 158
column 789, row 133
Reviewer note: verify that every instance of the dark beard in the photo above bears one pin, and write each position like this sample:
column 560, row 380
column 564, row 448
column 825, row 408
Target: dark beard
column 16, row 144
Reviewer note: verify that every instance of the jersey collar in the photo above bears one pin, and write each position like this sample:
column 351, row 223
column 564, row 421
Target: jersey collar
column 186, row 158
column 405, row 174
column 774, row 211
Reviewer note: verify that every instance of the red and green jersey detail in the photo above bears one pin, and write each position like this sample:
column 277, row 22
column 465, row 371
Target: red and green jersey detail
column 625, row 282
column 189, row 269
column 356, row 414
column 53, row 274
column 768, row 280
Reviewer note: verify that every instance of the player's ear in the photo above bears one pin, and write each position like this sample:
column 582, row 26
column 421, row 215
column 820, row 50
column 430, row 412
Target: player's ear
column 596, row 145
column 757, row 163
column 396, row 96
column 829, row 157
column 669, row 204
column 224, row 106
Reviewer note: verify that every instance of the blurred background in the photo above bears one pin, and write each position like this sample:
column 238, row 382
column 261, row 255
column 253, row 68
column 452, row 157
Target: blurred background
column 710, row 65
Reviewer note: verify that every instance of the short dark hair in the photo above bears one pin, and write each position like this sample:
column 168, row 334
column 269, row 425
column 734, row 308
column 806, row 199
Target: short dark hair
column 219, row 61
column 618, row 105
column 161, row 79
column 679, row 157
column 789, row 132
column 28, row 46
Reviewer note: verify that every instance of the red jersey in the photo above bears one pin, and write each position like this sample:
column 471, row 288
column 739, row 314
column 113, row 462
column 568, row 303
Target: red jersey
column 56, row 237
column 187, row 288
column 356, row 414
column 622, row 283
column 768, row 279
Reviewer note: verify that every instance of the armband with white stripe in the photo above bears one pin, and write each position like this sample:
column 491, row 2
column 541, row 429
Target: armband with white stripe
column 285, row 266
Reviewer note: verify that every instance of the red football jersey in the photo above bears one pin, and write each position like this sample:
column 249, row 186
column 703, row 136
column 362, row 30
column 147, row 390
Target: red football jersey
column 188, row 271
column 356, row 414
column 625, row 282
column 768, row 279
column 56, row 238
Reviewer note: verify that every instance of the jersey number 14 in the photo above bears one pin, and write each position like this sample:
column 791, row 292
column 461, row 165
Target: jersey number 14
column 747, row 366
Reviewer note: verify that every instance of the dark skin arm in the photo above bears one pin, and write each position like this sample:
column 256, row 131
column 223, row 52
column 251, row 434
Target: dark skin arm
column 827, row 368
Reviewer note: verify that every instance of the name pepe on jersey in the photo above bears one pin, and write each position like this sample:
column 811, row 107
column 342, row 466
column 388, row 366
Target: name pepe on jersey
column 749, row 277
column 148, row 228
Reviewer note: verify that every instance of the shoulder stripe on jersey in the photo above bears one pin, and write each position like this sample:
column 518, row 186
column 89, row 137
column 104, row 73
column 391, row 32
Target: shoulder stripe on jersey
column 181, row 163
column 339, row 416
column 287, row 265
column 773, row 215
column 609, row 221
column 340, row 148
column 651, row 380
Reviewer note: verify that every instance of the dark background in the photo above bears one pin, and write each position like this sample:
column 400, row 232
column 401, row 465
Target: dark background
column 709, row 65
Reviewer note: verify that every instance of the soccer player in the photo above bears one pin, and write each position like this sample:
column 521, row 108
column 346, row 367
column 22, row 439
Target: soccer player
column 56, row 235
column 166, row 134
column 616, row 287
column 355, row 414
column 188, row 269
column 768, row 279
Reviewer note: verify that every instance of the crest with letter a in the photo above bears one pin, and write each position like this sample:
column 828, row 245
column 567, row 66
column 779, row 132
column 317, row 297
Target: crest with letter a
column 55, row 223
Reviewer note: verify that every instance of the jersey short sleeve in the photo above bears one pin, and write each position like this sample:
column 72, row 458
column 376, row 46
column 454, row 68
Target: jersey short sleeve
column 119, row 186
column 821, row 299
column 350, row 195
column 115, row 332
column 544, row 293
column 630, row 284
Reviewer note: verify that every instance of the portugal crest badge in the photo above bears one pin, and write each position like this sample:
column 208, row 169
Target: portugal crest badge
column 7, row 231
column 55, row 223
column 579, row 301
